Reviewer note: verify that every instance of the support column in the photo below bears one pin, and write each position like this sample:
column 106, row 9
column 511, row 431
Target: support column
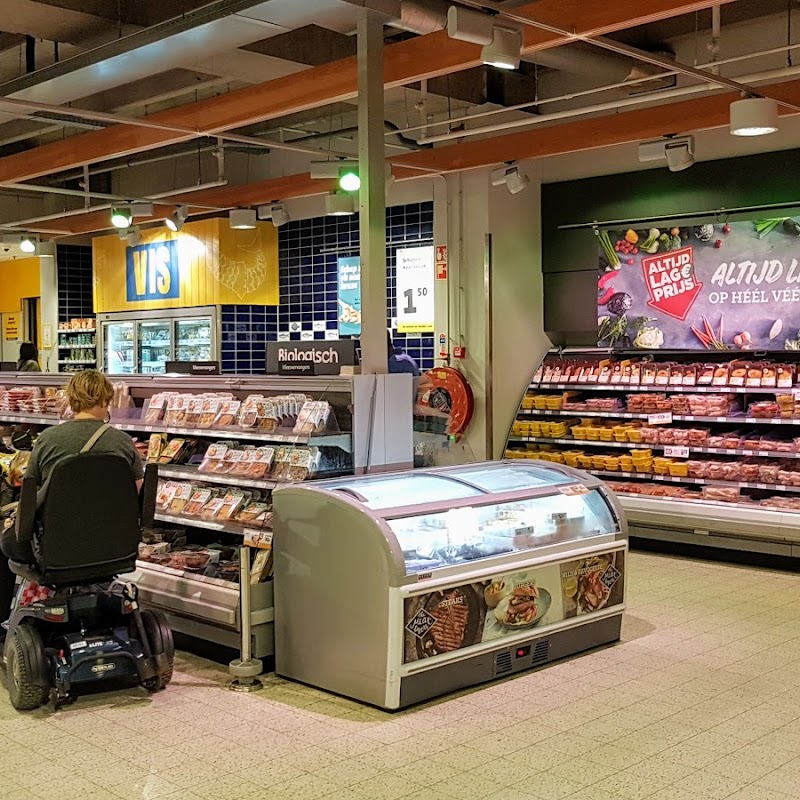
column 372, row 197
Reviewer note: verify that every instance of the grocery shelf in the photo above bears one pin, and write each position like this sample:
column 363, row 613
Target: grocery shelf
column 184, row 573
column 720, row 451
column 649, row 476
column 78, row 361
column 76, row 346
column 77, row 330
column 193, row 474
column 664, row 388
column 209, row 524
column 340, row 440
column 526, row 413
column 625, row 498
column 29, row 419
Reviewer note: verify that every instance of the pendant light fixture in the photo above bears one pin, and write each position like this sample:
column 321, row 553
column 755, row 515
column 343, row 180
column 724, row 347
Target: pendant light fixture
column 339, row 204
column 754, row 116
column 243, row 219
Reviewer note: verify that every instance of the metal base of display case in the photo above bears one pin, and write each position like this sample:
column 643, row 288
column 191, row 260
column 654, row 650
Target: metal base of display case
column 505, row 661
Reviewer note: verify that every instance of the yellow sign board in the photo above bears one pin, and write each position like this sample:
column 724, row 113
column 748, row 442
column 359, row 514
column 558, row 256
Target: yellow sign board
column 11, row 327
column 206, row 263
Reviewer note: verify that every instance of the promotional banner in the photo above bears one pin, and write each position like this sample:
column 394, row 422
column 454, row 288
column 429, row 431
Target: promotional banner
column 466, row 615
column 415, row 281
column 717, row 286
column 206, row 263
column 349, row 296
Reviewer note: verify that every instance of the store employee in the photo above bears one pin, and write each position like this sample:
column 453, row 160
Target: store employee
column 400, row 362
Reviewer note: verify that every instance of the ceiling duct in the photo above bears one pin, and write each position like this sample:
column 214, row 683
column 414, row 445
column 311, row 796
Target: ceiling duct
column 604, row 67
column 421, row 16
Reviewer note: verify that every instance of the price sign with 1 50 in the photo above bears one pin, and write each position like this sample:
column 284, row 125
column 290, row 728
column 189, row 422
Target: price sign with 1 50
column 415, row 282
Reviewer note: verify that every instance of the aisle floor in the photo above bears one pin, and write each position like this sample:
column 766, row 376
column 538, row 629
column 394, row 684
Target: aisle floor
column 699, row 702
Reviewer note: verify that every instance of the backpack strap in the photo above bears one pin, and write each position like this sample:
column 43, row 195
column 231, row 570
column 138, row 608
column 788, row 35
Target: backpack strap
column 94, row 437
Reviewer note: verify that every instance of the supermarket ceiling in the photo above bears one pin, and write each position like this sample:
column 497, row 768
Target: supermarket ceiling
column 223, row 103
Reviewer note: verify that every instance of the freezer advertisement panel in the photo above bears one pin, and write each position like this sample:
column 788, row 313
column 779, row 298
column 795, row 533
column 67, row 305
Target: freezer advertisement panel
column 349, row 270
column 462, row 616
column 721, row 286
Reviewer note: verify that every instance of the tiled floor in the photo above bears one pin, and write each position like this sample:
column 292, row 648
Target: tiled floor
column 699, row 702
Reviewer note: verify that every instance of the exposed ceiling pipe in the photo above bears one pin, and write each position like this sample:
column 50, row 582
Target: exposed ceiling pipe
column 654, row 97
column 421, row 16
column 390, row 128
column 586, row 92
column 606, row 67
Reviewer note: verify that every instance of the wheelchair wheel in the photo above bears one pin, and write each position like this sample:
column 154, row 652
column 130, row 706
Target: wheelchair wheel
column 26, row 669
column 159, row 635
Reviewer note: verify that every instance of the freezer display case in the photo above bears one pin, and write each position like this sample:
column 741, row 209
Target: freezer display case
column 119, row 349
column 396, row 588
column 142, row 342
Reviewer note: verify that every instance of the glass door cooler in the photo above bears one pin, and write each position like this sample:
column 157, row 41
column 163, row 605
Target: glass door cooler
column 155, row 345
column 119, row 350
column 193, row 339
column 396, row 588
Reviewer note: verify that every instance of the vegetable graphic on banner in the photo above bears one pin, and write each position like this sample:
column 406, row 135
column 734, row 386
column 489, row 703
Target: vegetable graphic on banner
column 349, row 296
column 716, row 286
column 415, row 286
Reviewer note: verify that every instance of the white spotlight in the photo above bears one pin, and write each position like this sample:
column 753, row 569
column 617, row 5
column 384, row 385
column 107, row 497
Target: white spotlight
column 679, row 154
column 339, row 205
column 280, row 216
column 754, row 116
column 178, row 217
column 134, row 236
column 510, row 177
column 243, row 219
column 504, row 50
column 27, row 245
column 469, row 26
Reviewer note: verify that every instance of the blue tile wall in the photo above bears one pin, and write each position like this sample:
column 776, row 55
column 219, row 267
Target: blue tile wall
column 74, row 265
column 307, row 257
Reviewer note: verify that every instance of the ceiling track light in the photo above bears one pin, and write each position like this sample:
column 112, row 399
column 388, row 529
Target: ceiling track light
column 754, row 116
column 510, row 177
column 178, row 217
column 339, row 204
column 678, row 151
column 142, row 209
column 121, row 217
column 134, row 236
column 28, row 244
column 504, row 50
column 243, row 219
column 279, row 215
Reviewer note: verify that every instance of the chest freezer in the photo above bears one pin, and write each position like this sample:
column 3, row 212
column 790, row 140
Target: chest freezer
column 392, row 589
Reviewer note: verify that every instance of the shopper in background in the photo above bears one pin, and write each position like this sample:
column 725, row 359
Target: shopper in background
column 28, row 358
column 89, row 394
column 400, row 362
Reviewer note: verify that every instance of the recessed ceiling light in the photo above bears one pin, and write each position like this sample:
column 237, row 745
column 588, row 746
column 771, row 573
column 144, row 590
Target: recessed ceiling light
column 754, row 116
column 27, row 245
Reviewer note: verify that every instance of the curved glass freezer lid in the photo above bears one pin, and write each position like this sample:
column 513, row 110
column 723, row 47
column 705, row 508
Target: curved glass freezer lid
column 440, row 539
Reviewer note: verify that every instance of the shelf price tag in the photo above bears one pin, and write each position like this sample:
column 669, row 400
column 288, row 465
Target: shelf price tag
column 662, row 418
column 674, row 451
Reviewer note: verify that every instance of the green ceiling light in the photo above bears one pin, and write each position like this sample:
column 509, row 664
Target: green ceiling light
column 121, row 217
column 349, row 180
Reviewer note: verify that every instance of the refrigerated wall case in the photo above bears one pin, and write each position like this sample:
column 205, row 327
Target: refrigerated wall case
column 372, row 430
column 397, row 588
column 143, row 341
column 701, row 448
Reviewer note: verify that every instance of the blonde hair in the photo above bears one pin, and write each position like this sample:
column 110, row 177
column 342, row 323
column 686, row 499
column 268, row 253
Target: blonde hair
column 88, row 389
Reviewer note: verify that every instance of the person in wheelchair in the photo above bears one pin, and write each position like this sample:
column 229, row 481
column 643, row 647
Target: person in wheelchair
column 78, row 528
column 89, row 394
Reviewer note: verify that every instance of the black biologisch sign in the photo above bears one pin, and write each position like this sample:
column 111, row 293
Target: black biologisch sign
column 310, row 358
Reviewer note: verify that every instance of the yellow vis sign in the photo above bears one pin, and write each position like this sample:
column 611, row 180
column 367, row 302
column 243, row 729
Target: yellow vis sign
column 206, row 263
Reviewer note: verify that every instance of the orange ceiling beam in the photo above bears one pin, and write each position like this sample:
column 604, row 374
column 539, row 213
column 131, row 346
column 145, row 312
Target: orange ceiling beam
column 558, row 139
column 404, row 63
column 631, row 126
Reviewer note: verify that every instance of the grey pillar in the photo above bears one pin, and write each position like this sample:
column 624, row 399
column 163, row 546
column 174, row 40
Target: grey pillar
column 372, row 197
